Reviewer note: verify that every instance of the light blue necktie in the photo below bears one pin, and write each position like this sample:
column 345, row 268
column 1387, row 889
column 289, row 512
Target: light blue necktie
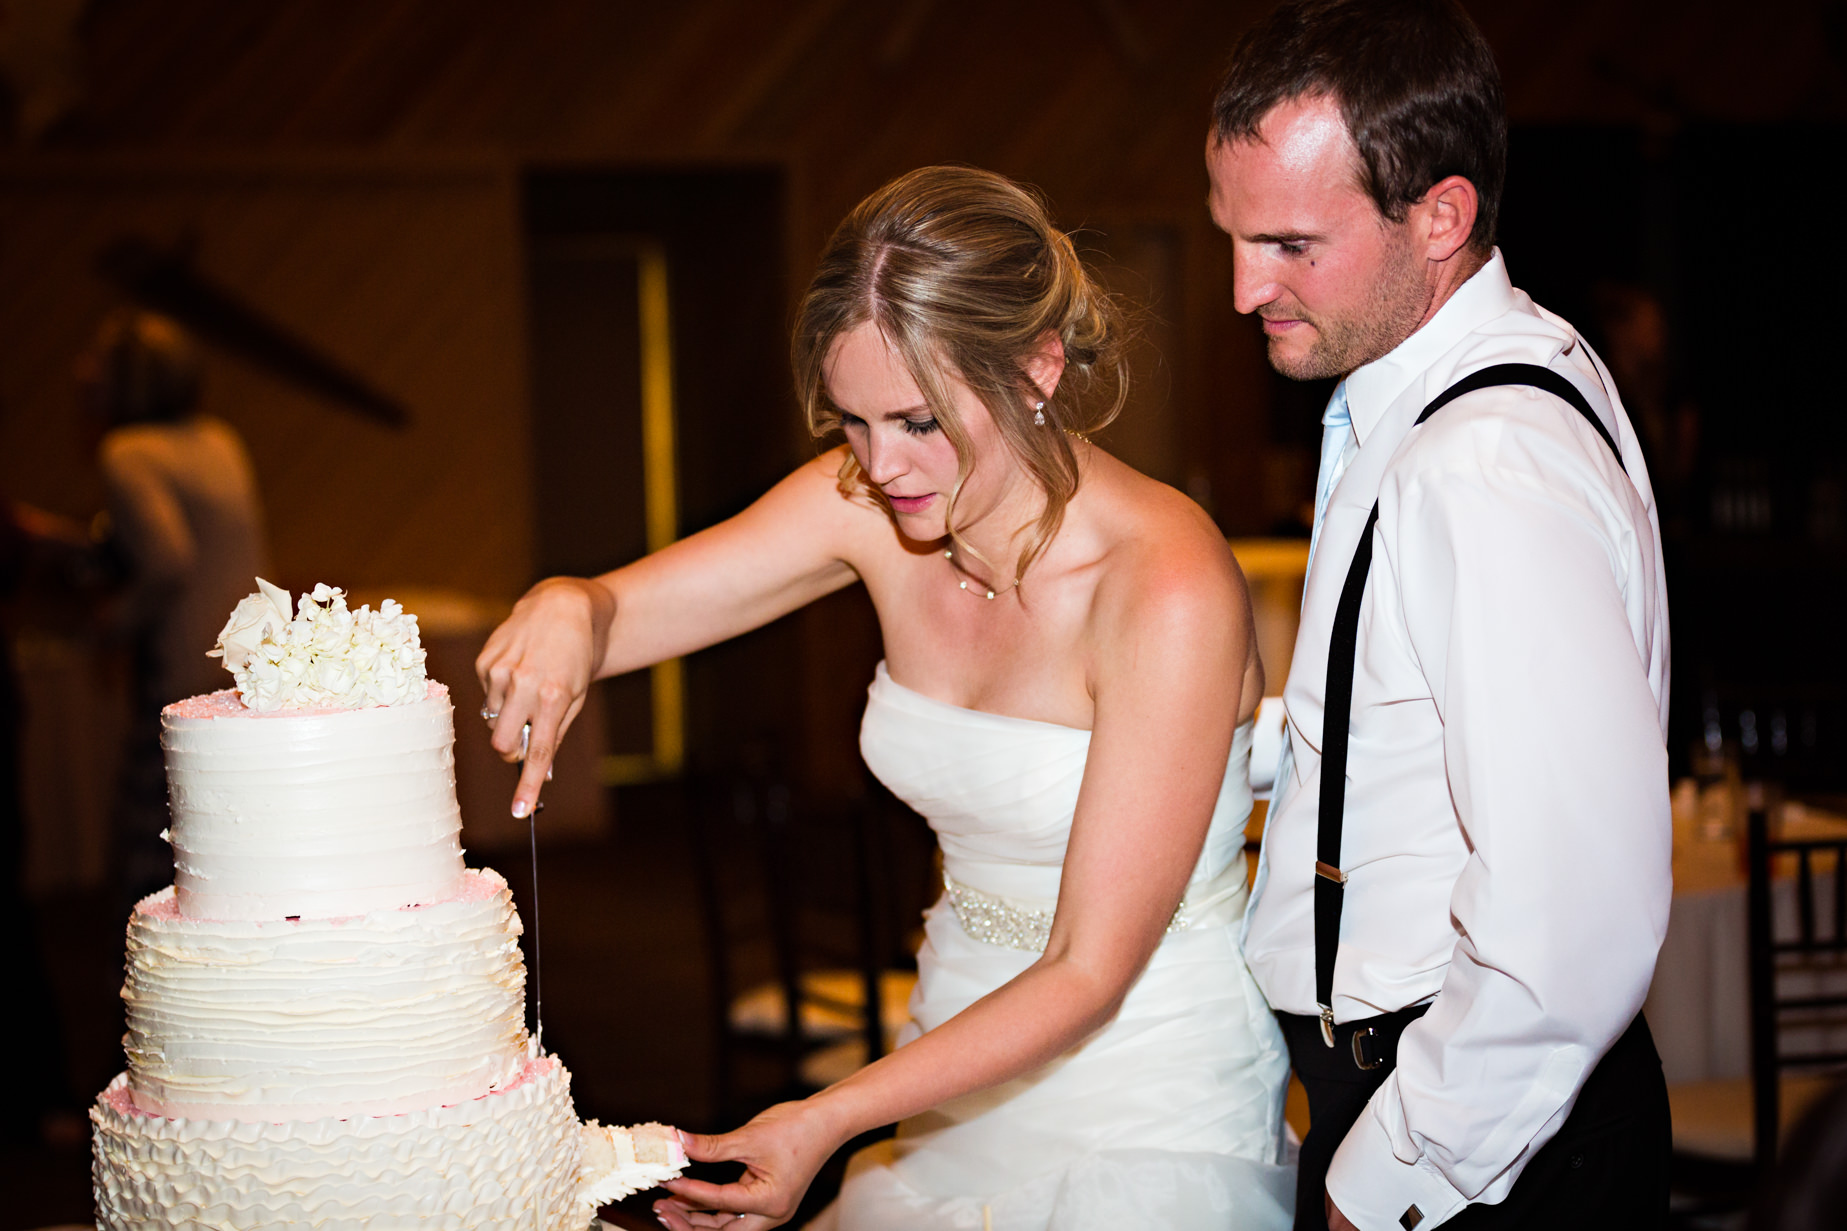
column 1337, row 449
column 1338, row 445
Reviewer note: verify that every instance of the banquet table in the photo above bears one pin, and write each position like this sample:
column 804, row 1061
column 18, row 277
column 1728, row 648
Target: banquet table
column 1698, row 1006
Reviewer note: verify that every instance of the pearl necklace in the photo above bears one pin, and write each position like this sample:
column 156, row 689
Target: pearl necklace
column 991, row 593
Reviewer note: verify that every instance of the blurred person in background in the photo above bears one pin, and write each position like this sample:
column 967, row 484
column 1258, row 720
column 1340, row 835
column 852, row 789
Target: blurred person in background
column 187, row 523
column 1638, row 346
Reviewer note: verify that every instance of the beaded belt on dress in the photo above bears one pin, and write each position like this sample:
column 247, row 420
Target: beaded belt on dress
column 1002, row 921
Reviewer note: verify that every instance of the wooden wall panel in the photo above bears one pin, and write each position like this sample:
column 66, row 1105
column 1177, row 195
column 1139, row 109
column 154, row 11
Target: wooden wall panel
column 1101, row 103
column 408, row 274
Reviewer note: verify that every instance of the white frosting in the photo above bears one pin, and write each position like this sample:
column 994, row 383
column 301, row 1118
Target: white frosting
column 620, row 1161
column 512, row 1159
column 315, row 815
column 277, row 1020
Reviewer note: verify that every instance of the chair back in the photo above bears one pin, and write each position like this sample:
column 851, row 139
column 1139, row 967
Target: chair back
column 798, row 896
column 1798, row 965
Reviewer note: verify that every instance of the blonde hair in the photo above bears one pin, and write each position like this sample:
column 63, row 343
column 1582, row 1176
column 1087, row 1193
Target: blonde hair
column 962, row 271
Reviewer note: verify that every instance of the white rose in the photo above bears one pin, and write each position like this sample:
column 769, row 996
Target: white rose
column 259, row 617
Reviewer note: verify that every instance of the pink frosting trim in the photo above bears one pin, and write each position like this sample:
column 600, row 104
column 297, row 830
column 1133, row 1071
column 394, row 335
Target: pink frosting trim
column 163, row 904
column 228, row 703
column 120, row 1099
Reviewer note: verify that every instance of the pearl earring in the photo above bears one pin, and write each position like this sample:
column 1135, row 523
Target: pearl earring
column 1038, row 414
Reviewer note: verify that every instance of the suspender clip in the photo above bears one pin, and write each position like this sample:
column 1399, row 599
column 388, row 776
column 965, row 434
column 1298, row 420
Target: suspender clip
column 1327, row 1025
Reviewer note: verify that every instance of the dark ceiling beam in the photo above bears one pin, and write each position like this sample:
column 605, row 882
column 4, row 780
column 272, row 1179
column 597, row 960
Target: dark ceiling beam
column 165, row 280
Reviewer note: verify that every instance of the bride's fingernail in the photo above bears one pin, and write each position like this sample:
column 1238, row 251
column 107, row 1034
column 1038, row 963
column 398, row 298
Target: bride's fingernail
column 519, row 809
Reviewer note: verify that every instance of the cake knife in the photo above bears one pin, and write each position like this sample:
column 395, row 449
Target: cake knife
column 538, row 960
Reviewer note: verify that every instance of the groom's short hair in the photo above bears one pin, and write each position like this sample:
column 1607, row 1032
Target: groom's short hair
column 1414, row 79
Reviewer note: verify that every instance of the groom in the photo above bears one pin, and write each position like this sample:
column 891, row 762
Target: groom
column 1465, row 874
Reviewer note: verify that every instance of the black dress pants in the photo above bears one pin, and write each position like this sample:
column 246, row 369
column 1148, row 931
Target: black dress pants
column 1606, row 1168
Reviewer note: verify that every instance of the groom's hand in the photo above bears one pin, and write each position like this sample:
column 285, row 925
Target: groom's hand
column 1337, row 1221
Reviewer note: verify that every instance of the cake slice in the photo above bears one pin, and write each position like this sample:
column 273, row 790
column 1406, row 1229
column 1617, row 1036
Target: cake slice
column 618, row 1161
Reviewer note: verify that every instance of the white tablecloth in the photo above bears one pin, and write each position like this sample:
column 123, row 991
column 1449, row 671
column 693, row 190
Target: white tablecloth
column 1698, row 1006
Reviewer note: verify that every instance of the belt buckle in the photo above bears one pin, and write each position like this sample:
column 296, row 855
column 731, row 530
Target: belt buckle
column 1362, row 1055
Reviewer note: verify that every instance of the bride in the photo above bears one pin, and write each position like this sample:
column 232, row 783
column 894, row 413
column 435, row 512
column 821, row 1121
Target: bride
column 1066, row 698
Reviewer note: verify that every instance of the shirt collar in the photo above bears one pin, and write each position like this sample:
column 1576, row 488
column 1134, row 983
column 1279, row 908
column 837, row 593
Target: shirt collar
column 1372, row 389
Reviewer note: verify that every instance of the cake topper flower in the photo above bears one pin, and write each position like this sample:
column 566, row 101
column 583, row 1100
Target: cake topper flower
column 327, row 657
column 259, row 617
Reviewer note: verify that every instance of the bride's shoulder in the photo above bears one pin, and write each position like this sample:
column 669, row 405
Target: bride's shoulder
column 1157, row 548
column 825, row 486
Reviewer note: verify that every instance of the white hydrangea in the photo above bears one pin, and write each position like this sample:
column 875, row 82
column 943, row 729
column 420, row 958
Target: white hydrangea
column 328, row 657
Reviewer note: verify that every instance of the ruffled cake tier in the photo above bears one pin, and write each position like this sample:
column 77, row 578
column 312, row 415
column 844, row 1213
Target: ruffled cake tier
column 511, row 1159
column 376, row 1014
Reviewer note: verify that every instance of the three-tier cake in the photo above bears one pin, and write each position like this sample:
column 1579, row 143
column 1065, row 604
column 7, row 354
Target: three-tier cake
column 326, row 1010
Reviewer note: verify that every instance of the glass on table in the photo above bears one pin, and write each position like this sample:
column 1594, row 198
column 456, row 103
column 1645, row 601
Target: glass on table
column 1720, row 789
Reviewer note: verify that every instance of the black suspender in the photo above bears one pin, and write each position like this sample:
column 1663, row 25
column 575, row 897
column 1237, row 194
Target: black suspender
column 1343, row 642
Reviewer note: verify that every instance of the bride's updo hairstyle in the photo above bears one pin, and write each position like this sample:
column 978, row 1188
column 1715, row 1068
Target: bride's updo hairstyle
column 963, row 273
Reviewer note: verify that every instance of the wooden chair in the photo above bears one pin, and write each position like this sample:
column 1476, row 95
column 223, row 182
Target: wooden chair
column 800, row 908
column 1813, row 957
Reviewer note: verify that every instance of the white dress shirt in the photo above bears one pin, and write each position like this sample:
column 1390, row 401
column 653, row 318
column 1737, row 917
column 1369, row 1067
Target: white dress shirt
column 186, row 507
column 1507, row 840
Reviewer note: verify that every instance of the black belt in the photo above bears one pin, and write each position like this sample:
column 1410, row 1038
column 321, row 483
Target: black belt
column 1361, row 1048
column 1343, row 643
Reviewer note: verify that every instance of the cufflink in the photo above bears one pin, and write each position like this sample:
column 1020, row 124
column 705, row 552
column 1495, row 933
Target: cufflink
column 1410, row 1218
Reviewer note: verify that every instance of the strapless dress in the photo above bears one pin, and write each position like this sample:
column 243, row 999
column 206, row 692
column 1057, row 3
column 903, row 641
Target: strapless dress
column 1169, row 1116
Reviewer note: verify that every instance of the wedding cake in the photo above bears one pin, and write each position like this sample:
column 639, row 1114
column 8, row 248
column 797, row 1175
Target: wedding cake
column 326, row 1010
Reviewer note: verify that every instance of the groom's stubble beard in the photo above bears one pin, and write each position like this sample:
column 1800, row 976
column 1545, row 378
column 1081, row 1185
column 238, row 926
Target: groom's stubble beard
column 1393, row 308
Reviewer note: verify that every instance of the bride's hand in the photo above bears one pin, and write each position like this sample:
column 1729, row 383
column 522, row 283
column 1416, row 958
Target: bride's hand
column 781, row 1150
column 536, row 668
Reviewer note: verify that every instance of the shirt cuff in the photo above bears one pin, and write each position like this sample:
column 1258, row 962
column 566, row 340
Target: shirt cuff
column 1379, row 1192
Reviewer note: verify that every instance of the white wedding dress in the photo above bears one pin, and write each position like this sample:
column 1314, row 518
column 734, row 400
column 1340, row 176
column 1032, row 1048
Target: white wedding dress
column 1171, row 1115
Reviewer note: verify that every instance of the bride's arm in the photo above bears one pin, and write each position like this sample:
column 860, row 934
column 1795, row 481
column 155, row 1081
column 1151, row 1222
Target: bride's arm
column 1173, row 659
column 789, row 548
